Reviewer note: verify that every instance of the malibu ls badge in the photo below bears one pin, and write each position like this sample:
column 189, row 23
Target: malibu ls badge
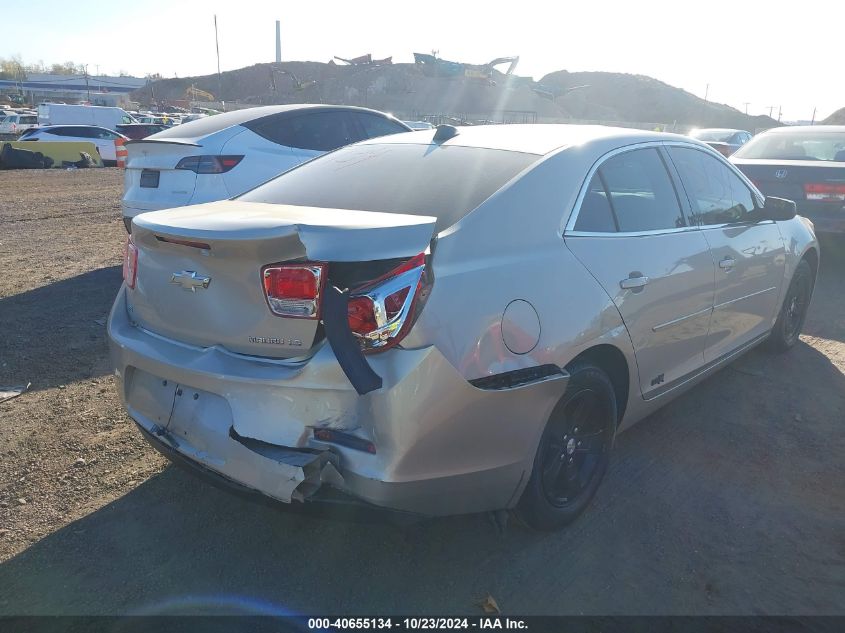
column 190, row 280
column 273, row 340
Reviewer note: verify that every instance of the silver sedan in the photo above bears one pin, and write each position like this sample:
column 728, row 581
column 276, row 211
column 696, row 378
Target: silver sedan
column 451, row 321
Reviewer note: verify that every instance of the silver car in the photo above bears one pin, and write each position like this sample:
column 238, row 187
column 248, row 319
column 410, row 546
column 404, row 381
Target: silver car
column 451, row 321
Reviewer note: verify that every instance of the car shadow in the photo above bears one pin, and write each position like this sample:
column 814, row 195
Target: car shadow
column 829, row 292
column 705, row 505
column 55, row 334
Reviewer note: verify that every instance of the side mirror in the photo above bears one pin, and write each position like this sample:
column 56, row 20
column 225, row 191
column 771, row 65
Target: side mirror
column 778, row 209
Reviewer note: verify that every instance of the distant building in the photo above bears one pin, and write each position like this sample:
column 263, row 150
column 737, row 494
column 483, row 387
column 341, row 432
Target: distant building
column 103, row 90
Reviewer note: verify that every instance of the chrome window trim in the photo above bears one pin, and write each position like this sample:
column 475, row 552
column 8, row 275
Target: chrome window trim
column 683, row 229
column 569, row 228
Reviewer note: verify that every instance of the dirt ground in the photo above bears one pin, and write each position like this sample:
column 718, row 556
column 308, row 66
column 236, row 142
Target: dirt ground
column 731, row 500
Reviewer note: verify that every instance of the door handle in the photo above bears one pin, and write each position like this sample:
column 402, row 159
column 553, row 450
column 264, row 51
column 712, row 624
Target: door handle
column 633, row 282
column 727, row 263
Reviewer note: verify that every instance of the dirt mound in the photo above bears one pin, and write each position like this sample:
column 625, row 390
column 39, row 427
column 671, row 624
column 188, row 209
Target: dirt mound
column 414, row 90
column 837, row 118
column 638, row 98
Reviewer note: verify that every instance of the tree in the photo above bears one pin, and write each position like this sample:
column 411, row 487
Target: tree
column 67, row 68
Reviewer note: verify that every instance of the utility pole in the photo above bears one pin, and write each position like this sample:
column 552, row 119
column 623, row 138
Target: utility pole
column 219, row 78
column 771, row 108
column 747, row 103
column 813, row 122
column 87, row 87
column 780, row 112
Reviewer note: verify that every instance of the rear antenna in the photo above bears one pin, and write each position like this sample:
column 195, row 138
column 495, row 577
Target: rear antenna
column 444, row 133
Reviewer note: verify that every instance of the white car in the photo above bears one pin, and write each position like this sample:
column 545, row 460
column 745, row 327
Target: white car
column 18, row 123
column 224, row 155
column 101, row 137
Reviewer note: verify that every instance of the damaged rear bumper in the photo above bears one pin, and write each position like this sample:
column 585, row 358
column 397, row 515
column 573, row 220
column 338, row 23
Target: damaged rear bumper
column 326, row 502
column 442, row 445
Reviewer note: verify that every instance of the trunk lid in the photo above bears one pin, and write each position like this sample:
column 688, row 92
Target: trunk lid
column 224, row 245
column 786, row 178
column 150, row 176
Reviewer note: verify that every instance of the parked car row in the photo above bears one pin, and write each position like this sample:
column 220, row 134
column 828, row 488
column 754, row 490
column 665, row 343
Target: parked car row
column 443, row 321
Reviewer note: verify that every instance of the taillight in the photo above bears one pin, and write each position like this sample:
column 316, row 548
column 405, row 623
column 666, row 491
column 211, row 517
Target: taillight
column 381, row 313
column 826, row 192
column 293, row 290
column 209, row 164
column 130, row 263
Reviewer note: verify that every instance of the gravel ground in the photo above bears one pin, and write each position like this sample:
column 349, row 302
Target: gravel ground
column 730, row 500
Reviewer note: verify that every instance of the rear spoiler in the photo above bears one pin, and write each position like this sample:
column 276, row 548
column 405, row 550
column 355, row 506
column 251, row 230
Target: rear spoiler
column 164, row 141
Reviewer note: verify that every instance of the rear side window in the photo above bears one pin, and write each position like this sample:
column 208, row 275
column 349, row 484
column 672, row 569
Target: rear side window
column 716, row 194
column 318, row 131
column 29, row 120
column 596, row 215
column 641, row 194
column 446, row 182
column 102, row 133
column 373, row 125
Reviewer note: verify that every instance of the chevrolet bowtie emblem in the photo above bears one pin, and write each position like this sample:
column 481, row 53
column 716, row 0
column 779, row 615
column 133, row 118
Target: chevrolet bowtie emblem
column 190, row 280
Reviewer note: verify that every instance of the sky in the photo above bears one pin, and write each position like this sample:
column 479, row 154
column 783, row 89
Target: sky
column 776, row 53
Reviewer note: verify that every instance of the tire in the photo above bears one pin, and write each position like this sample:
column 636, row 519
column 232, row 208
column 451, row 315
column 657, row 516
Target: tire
column 566, row 474
column 787, row 328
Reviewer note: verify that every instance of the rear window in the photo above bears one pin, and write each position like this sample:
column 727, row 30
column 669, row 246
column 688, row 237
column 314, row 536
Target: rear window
column 715, row 136
column 29, row 120
column 828, row 146
column 446, row 182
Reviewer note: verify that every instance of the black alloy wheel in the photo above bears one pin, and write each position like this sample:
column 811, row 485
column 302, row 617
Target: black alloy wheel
column 574, row 451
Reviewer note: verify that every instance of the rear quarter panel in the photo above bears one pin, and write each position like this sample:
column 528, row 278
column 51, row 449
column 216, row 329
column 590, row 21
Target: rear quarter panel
column 262, row 161
column 510, row 248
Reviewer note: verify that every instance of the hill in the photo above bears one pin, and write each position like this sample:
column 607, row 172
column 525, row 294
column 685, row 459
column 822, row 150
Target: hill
column 412, row 91
column 837, row 118
column 638, row 98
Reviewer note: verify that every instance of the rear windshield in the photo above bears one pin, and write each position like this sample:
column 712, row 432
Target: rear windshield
column 715, row 136
column 829, row 146
column 446, row 182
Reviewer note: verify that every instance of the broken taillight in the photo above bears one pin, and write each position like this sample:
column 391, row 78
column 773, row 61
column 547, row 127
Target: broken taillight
column 381, row 313
column 293, row 290
column 130, row 263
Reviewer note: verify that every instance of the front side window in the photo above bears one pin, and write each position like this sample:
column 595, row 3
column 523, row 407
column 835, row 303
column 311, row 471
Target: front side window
column 104, row 134
column 716, row 194
column 641, row 193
